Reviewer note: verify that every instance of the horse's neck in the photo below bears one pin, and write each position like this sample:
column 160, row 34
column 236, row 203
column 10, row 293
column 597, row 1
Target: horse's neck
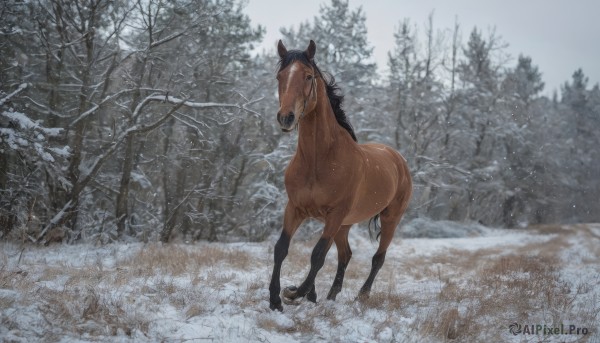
column 319, row 132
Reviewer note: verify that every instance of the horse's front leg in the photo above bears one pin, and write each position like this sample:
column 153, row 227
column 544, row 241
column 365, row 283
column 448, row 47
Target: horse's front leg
column 291, row 221
column 317, row 260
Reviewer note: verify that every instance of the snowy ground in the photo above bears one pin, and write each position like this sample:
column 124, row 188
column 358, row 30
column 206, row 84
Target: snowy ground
column 466, row 289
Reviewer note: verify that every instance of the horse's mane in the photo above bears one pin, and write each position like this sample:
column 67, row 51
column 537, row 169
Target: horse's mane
column 336, row 98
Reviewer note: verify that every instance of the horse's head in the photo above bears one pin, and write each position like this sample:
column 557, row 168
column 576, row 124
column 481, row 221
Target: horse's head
column 297, row 85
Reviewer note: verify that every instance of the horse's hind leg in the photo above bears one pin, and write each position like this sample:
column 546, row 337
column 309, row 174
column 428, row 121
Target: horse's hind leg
column 388, row 227
column 344, row 255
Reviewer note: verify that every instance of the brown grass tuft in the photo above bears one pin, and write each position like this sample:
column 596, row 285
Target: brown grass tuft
column 194, row 310
column 89, row 311
column 494, row 286
column 176, row 259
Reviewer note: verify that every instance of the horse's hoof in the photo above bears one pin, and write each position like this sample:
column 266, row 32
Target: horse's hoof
column 312, row 297
column 290, row 295
column 276, row 305
column 290, row 292
column 294, row 302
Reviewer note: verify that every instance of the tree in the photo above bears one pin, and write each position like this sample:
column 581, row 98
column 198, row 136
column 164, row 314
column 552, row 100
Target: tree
column 523, row 172
column 123, row 89
column 524, row 84
column 416, row 100
column 580, row 119
column 25, row 157
column 344, row 50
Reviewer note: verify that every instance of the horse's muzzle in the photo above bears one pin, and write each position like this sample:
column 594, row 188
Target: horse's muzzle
column 286, row 121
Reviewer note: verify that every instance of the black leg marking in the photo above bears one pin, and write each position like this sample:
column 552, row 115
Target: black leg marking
column 376, row 264
column 317, row 259
column 281, row 251
column 338, row 281
column 312, row 295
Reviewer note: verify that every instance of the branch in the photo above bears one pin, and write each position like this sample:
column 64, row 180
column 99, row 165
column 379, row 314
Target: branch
column 94, row 167
column 97, row 106
column 53, row 222
column 192, row 104
column 17, row 91
column 142, row 128
column 174, row 100
column 166, row 39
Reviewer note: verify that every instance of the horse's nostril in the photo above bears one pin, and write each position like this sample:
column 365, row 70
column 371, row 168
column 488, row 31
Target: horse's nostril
column 289, row 120
column 286, row 120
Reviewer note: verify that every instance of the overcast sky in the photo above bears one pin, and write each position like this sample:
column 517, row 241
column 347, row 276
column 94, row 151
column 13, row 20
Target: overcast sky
column 560, row 36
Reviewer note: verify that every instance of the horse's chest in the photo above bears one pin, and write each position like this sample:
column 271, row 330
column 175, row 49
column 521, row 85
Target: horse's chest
column 316, row 190
column 308, row 194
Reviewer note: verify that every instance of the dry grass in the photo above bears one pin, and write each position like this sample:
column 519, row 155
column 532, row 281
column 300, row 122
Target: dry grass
column 299, row 324
column 180, row 259
column 391, row 301
column 94, row 301
column 15, row 279
column 488, row 287
column 498, row 289
column 89, row 311
column 440, row 322
column 451, row 296
column 257, row 283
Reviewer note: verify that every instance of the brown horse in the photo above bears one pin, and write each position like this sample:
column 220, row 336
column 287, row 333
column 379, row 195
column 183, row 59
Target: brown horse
column 331, row 177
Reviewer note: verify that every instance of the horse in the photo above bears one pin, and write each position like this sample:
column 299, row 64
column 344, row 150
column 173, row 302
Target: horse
column 331, row 177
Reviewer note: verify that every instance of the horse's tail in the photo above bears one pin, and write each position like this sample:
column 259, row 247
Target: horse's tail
column 377, row 225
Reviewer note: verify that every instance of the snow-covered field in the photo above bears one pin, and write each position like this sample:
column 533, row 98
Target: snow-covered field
column 465, row 289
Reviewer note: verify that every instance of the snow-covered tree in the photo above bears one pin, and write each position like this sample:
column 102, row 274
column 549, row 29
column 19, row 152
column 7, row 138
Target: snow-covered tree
column 415, row 93
column 580, row 119
column 106, row 87
column 152, row 120
column 27, row 160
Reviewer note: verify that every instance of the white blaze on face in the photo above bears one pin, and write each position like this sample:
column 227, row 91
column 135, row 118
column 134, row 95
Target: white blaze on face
column 293, row 69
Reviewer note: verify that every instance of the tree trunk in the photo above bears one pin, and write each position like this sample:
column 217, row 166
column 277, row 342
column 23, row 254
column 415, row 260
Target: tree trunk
column 122, row 210
column 168, row 225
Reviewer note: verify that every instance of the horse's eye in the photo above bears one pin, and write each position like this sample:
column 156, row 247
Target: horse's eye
column 309, row 77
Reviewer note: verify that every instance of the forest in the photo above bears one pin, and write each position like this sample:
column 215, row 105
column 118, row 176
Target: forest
column 153, row 120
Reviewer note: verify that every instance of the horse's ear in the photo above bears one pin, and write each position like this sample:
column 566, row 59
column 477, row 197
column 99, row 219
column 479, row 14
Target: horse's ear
column 281, row 50
column 310, row 51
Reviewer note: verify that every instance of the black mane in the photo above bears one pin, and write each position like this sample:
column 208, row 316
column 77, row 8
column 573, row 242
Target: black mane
column 333, row 90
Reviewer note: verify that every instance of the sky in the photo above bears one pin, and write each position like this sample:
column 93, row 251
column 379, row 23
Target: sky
column 560, row 36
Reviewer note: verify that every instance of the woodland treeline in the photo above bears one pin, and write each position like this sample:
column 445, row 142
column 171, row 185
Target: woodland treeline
column 155, row 120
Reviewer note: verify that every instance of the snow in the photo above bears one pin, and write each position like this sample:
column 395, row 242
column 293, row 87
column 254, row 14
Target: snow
column 63, row 152
column 219, row 291
column 141, row 179
column 29, row 134
column 26, row 123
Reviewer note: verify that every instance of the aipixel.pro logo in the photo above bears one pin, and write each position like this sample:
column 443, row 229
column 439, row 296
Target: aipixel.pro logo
column 539, row 329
